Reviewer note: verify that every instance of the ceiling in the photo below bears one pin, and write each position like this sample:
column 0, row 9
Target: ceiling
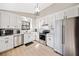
column 23, row 7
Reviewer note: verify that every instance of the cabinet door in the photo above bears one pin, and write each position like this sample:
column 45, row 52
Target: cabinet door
column 20, row 40
column 6, row 43
column 10, row 42
column 58, row 36
column 49, row 41
column 26, row 38
column 4, row 20
column 30, row 37
column 59, row 15
column 35, row 36
column 12, row 20
column 18, row 20
column 2, row 45
column 72, row 12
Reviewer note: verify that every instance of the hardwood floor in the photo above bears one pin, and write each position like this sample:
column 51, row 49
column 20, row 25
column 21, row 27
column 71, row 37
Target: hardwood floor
column 35, row 49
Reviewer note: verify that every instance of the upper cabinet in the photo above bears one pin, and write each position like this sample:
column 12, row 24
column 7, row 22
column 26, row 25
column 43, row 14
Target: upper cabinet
column 72, row 12
column 4, row 19
column 67, row 13
column 59, row 15
column 18, row 22
column 10, row 20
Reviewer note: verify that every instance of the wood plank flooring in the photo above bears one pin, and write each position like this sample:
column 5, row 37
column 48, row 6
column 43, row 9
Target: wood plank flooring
column 35, row 49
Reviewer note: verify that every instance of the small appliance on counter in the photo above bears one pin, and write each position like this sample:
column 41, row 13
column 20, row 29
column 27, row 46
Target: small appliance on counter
column 16, row 31
column 5, row 32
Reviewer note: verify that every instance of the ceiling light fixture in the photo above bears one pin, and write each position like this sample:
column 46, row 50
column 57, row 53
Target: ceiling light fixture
column 37, row 10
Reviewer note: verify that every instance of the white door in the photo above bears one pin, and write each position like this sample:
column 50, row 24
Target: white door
column 58, row 36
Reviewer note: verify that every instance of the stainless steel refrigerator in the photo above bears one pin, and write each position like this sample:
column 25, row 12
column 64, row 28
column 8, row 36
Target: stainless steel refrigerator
column 70, row 36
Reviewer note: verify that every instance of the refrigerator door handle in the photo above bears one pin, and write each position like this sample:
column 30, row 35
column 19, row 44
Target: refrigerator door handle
column 63, row 33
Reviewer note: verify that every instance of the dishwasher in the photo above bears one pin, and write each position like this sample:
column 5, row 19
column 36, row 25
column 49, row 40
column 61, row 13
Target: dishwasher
column 17, row 40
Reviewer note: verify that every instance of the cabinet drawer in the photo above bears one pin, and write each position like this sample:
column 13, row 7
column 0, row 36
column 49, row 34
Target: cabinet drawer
column 3, row 45
column 6, row 43
column 50, row 41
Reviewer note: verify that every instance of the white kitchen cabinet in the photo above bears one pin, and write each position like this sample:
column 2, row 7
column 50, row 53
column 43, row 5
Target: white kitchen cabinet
column 37, row 36
column 10, row 43
column 72, row 12
column 6, row 43
column 18, row 22
column 49, row 40
column 28, row 38
column 25, row 38
column 15, row 21
column 59, row 15
column 4, row 21
column 58, row 36
column 10, row 20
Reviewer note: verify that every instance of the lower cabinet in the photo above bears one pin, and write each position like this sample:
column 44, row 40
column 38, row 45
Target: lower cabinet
column 49, row 41
column 27, row 38
column 6, row 43
column 37, row 36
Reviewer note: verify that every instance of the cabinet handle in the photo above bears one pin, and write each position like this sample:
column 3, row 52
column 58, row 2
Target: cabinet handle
column 65, row 17
column 49, row 39
column 6, row 41
column 63, row 33
column 28, row 36
column 8, row 26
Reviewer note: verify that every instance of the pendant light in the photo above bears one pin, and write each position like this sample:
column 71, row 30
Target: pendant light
column 37, row 9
